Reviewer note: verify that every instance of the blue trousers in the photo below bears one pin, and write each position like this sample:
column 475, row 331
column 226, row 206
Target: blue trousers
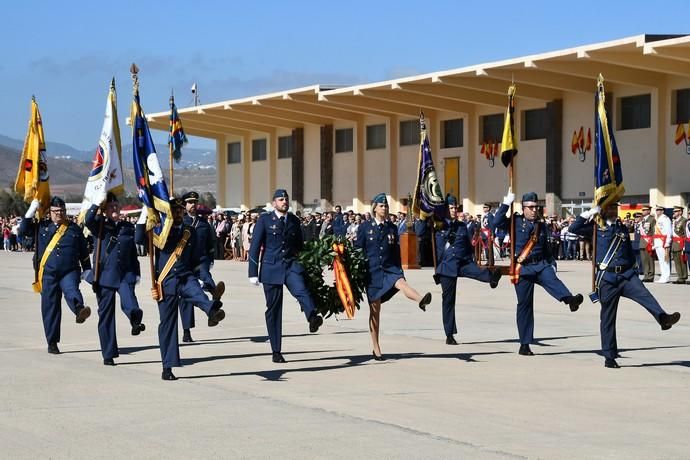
column 449, row 284
column 610, row 293
column 106, row 314
column 186, row 308
column 54, row 287
column 543, row 274
column 187, row 289
column 274, row 306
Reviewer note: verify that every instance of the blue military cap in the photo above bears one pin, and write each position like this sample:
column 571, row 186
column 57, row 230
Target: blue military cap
column 57, row 202
column 190, row 197
column 451, row 200
column 380, row 199
column 530, row 196
column 281, row 193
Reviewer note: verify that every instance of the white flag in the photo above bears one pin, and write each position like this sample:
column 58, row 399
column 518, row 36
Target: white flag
column 106, row 169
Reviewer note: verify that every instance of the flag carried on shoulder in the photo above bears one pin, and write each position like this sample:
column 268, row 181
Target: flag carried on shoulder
column 106, row 168
column 608, row 175
column 177, row 137
column 151, row 188
column 509, row 147
column 32, row 174
column 428, row 200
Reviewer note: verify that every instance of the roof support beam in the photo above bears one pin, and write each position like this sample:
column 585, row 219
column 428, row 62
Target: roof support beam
column 281, row 114
column 591, row 70
column 207, row 122
column 252, row 118
column 668, row 52
column 660, row 64
column 494, row 85
column 367, row 105
column 436, row 93
column 309, row 105
column 541, row 78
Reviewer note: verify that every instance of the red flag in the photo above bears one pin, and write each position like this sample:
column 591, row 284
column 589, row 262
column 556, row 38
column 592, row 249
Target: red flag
column 573, row 143
column 589, row 140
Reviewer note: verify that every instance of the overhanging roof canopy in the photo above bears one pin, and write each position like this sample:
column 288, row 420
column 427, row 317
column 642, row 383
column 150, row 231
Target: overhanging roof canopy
column 642, row 60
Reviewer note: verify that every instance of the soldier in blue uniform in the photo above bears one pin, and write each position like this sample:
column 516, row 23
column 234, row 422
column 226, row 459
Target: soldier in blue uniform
column 378, row 238
column 205, row 241
column 534, row 264
column 280, row 235
column 454, row 259
column 179, row 284
column 116, row 271
column 617, row 276
column 60, row 256
column 339, row 222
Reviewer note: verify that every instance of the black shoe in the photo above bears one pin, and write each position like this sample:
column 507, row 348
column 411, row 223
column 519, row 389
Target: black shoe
column 377, row 357
column 667, row 321
column 315, row 322
column 677, row 282
column 278, row 357
column 167, row 374
column 216, row 315
column 187, row 336
column 450, row 340
column 611, row 363
column 82, row 314
column 647, row 280
column 495, row 277
column 108, row 362
column 426, row 300
column 574, row 301
column 525, row 350
column 138, row 328
column 53, row 349
column 219, row 290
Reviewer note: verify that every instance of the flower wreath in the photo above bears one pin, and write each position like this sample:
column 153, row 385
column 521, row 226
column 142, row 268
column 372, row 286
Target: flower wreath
column 350, row 269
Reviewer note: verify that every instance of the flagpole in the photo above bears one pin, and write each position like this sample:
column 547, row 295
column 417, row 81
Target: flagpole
column 97, row 258
column 170, row 149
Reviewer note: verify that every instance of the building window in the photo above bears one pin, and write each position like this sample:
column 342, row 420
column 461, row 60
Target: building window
column 453, row 133
column 534, row 124
column 682, row 101
column 409, row 132
column 376, row 137
column 635, row 112
column 343, row 140
column 234, row 153
column 492, row 128
column 285, row 147
column 259, row 149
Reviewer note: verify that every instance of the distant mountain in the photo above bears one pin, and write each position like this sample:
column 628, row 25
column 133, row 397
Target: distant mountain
column 191, row 157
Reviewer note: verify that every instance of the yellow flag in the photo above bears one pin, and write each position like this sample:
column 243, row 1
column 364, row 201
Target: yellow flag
column 32, row 175
column 509, row 147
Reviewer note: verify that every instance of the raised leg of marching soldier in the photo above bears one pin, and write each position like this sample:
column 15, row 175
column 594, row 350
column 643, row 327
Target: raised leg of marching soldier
column 130, row 306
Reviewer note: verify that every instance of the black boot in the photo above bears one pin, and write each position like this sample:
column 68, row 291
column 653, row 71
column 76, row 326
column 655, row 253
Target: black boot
column 137, row 326
column 278, row 357
column 108, row 362
column 315, row 322
column 450, row 340
column 219, row 290
column 167, row 374
column 82, row 313
column 53, row 348
column 666, row 320
column 495, row 278
column 216, row 315
column 611, row 363
column 426, row 300
column 187, row 336
column 574, row 301
column 525, row 350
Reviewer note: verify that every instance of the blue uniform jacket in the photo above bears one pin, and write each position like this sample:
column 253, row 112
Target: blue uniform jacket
column 339, row 225
column 422, row 228
column 523, row 231
column 281, row 242
column 69, row 254
column 624, row 257
column 381, row 246
column 204, row 236
column 184, row 265
column 118, row 254
column 459, row 251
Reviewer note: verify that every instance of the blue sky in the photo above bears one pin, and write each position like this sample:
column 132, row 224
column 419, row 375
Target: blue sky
column 66, row 52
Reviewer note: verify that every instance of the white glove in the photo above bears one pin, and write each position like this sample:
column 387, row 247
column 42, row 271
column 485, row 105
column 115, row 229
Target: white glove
column 85, row 274
column 509, row 198
column 593, row 211
column 138, row 280
column 31, row 212
column 254, row 280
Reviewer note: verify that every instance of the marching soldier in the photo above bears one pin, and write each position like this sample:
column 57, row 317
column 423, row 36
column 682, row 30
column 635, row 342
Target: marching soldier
column 678, row 245
column 175, row 282
column 663, row 231
column 533, row 265
column 454, row 253
column 205, row 241
column 60, row 251
column 617, row 277
column 646, row 230
column 378, row 238
column 279, row 233
column 116, row 269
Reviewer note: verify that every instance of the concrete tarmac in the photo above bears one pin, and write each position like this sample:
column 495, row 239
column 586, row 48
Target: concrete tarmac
column 478, row 400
